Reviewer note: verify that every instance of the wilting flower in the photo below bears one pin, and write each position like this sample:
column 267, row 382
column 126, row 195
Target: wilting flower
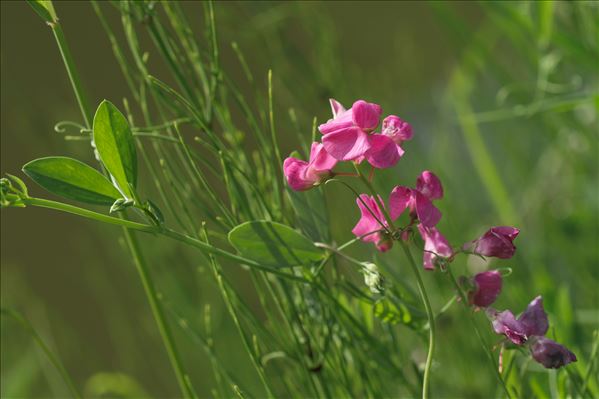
column 372, row 223
column 486, row 286
column 418, row 200
column 531, row 327
column 350, row 135
column 302, row 175
column 550, row 354
column 496, row 242
column 435, row 246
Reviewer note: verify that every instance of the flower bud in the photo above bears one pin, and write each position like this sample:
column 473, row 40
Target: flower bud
column 486, row 288
column 496, row 242
column 372, row 278
column 550, row 354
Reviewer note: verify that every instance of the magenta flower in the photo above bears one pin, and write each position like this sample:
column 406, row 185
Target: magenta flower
column 418, row 200
column 302, row 175
column 435, row 246
column 372, row 220
column 533, row 321
column 550, row 354
column 350, row 135
column 486, row 288
column 496, row 242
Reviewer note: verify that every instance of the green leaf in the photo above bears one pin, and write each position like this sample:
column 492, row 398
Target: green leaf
column 72, row 179
column 273, row 244
column 116, row 146
column 44, row 9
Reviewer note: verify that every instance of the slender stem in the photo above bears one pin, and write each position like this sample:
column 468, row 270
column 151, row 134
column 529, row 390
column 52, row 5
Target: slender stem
column 204, row 247
column 51, row 356
column 431, row 321
column 464, row 299
column 158, row 313
column 72, row 72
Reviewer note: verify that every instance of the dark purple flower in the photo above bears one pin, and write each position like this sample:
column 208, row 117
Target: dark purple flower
column 532, row 322
column 550, row 354
column 496, row 242
column 486, row 288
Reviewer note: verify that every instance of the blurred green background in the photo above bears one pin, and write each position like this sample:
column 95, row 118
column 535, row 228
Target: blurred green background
column 503, row 99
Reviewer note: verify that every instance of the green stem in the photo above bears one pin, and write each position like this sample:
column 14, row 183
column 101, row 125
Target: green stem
column 158, row 313
column 464, row 299
column 205, row 248
column 431, row 321
column 72, row 72
column 51, row 356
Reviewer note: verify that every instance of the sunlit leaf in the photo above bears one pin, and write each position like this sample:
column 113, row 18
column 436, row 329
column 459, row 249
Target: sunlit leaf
column 70, row 178
column 116, row 146
column 273, row 244
column 44, row 9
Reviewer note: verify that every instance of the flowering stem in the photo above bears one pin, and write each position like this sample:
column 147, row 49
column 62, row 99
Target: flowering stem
column 431, row 320
column 376, row 197
column 464, row 299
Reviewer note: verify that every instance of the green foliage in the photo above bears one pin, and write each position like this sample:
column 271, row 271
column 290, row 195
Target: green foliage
column 274, row 244
column 72, row 179
column 44, row 8
column 114, row 141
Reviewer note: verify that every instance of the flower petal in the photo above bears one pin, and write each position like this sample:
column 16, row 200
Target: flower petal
column 341, row 122
column 397, row 129
column 347, row 144
column 534, row 319
column 551, row 354
column 435, row 245
column 429, row 185
column 487, row 288
column 398, row 200
column 336, row 107
column 368, row 222
column 427, row 213
column 366, row 115
column 504, row 323
column 295, row 173
column 383, row 152
column 320, row 159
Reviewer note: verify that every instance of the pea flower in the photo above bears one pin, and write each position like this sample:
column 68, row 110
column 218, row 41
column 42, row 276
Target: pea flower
column 486, row 287
column 418, row 200
column 350, row 135
column 530, row 328
column 302, row 175
column 370, row 227
column 550, row 354
column 436, row 247
column 496, row 242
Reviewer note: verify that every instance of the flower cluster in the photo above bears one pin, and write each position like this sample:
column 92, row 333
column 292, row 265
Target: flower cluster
column 351, row 136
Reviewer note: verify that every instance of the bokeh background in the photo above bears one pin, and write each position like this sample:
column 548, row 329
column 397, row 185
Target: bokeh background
column 503, row 98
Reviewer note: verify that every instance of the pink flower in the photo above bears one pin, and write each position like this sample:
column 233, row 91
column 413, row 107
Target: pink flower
column 371, row 220
column 385, row 149
column 418, row 201
column 496, row 242
column 486, row 288
column 346, row 135
column 435, row 246
column 550, row 354
column 533, row 321
column 302, row 175
column 350, row 135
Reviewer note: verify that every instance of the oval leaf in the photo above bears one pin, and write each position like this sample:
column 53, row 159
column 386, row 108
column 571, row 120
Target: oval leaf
column 273, row 244
column 72, row 179
column 116, row 146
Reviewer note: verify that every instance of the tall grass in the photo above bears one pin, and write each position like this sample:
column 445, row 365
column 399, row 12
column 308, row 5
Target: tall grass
column 511, row 129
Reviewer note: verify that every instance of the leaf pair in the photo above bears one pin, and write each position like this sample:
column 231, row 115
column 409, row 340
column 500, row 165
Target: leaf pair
column 75, row 180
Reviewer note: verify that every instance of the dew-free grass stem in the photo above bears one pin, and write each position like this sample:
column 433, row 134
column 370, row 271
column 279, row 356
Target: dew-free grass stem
column 431, row 320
